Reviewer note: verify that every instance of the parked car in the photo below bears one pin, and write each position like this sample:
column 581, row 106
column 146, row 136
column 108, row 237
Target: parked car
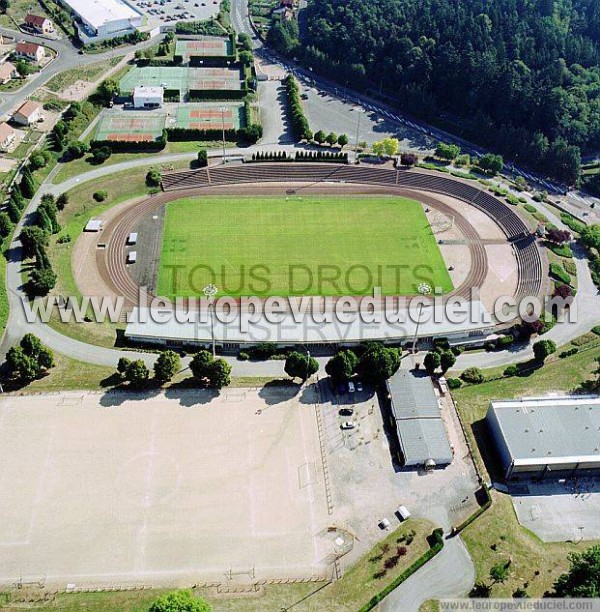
column 348, row 425
column 403, row 513
column 359, row 385
column 351, row 387
column 346, row 412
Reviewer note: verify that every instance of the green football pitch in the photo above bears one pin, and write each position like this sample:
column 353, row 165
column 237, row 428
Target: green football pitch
column 298, row 245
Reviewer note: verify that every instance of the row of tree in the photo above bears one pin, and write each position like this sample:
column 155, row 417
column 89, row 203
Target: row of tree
column 521, row 78
column 300, row 127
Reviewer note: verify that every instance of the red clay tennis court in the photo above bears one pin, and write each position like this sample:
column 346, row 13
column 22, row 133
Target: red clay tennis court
column 208, row 116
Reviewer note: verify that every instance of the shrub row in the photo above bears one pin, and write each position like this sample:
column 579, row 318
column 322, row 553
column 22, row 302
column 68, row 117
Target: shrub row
column 300, row 127
column 322, row 156
column 436, row 543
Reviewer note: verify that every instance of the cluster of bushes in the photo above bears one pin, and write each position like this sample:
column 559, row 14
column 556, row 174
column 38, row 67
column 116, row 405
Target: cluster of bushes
column 436, row 543
column 34, row 240
column 208, row 27
column 439, row 357
column 322, row 156
column 300, row 127
column 28, row 360
column 137, row 374
column 558, row 272
column 263, row 352
column 568, row 353
column 101, row 150
column 64, row 134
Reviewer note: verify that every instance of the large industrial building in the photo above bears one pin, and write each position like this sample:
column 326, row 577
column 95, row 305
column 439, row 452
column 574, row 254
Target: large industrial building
column 538, row 436
column 98, row 20
column 418, row 420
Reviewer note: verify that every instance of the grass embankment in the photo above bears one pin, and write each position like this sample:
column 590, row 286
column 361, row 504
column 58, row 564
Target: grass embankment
column 496, row 536
column 89, row 74
column 348, row 594
column 346, row 245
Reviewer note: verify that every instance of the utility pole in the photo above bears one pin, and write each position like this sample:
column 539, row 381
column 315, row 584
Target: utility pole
column 223, row 109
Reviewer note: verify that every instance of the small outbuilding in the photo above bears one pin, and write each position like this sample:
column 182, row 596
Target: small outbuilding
column 131, row 257
column 149, row 97
column 28, row 113
column 93, row 225
column 132, row 238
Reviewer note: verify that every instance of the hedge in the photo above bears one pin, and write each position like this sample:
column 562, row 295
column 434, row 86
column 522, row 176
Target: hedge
column 477, row 513
column 300, row 127
column 118, row 146
column 188, row 134
column 436, row 543
column 572, row 223
column 562, row 250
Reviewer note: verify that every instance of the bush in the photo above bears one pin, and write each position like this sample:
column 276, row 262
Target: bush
column 153, row 178
column 454, row 383
column 543, row 349
column 243, row 356
column 474, row 376
column 511, row 370
column 100, row 196
column 202, row 159
column 558, row 272
column 505, row 341
column 562, row 250
column 569, row 353
column 596, row 330
column 530, row 208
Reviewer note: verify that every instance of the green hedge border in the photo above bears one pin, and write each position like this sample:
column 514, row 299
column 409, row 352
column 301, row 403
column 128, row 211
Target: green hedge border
column 436, row 543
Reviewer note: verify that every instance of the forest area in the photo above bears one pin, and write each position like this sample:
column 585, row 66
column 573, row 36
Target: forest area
column 521, row 77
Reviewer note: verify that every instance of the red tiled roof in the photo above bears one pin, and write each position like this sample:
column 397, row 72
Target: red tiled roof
column 36, row 20
column 5, row 131
column 27, row 48
column 6, row 70
column 28, row 108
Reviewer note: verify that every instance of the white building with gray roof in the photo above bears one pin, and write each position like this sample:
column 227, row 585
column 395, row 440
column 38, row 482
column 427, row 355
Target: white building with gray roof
column 538, row 436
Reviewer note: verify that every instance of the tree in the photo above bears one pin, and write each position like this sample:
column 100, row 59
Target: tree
column 245, row 41
column 342, row 365
column 30, row 359
column 41, row 281
column 342, row 140
column 543, row 349
column 491, row 163
column 246, row 58
column 300, row 365
column 62, row 201
column 6, row 225
column 499, row 573
column 210, row 372
column 27, row 184
column 320, row 137
column 520, row 593
column 4, row 6
column 447, row 151
column 331, row 139
column 122, row 365
column 166, row 366
column 558, row 236
column 31, row 238
column 473, row 376
column 137, row 373
column 390, row 146
column 77, row 149
column 378, row 364
column 101, row 154
column 432, row 362
column 582, row 578
column 107, row 90
column 563, row 291
column 447, row 360
column 153, row 178
column 180, row 601
column 409, row 159
column 480, row 590
column 202, row 160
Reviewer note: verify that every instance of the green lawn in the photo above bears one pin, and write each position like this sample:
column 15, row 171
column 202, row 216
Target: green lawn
column 313, row 245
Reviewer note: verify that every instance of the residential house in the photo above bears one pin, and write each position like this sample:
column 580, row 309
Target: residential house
column 7, row 136
column 30, row 51
column 39, row 24
column 7, row 72
column 28, row 113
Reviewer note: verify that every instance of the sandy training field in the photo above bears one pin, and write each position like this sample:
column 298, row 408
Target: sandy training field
column 173, row 489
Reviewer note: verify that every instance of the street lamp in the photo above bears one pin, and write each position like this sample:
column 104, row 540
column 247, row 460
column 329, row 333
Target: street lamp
column 223, row 109
column 359, row 112
column 423, row 289
column 210, row 291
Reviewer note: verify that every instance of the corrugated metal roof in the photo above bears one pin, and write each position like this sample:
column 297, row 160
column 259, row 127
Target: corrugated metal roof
column 550, row 428
column 412, row 396
column 421, row 431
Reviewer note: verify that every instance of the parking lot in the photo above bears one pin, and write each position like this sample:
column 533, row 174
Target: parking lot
column 368, row 484
column 165, row 12
column 559, row 509
column 174, row 488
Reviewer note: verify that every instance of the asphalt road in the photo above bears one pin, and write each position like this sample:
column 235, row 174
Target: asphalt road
column 67, row 58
